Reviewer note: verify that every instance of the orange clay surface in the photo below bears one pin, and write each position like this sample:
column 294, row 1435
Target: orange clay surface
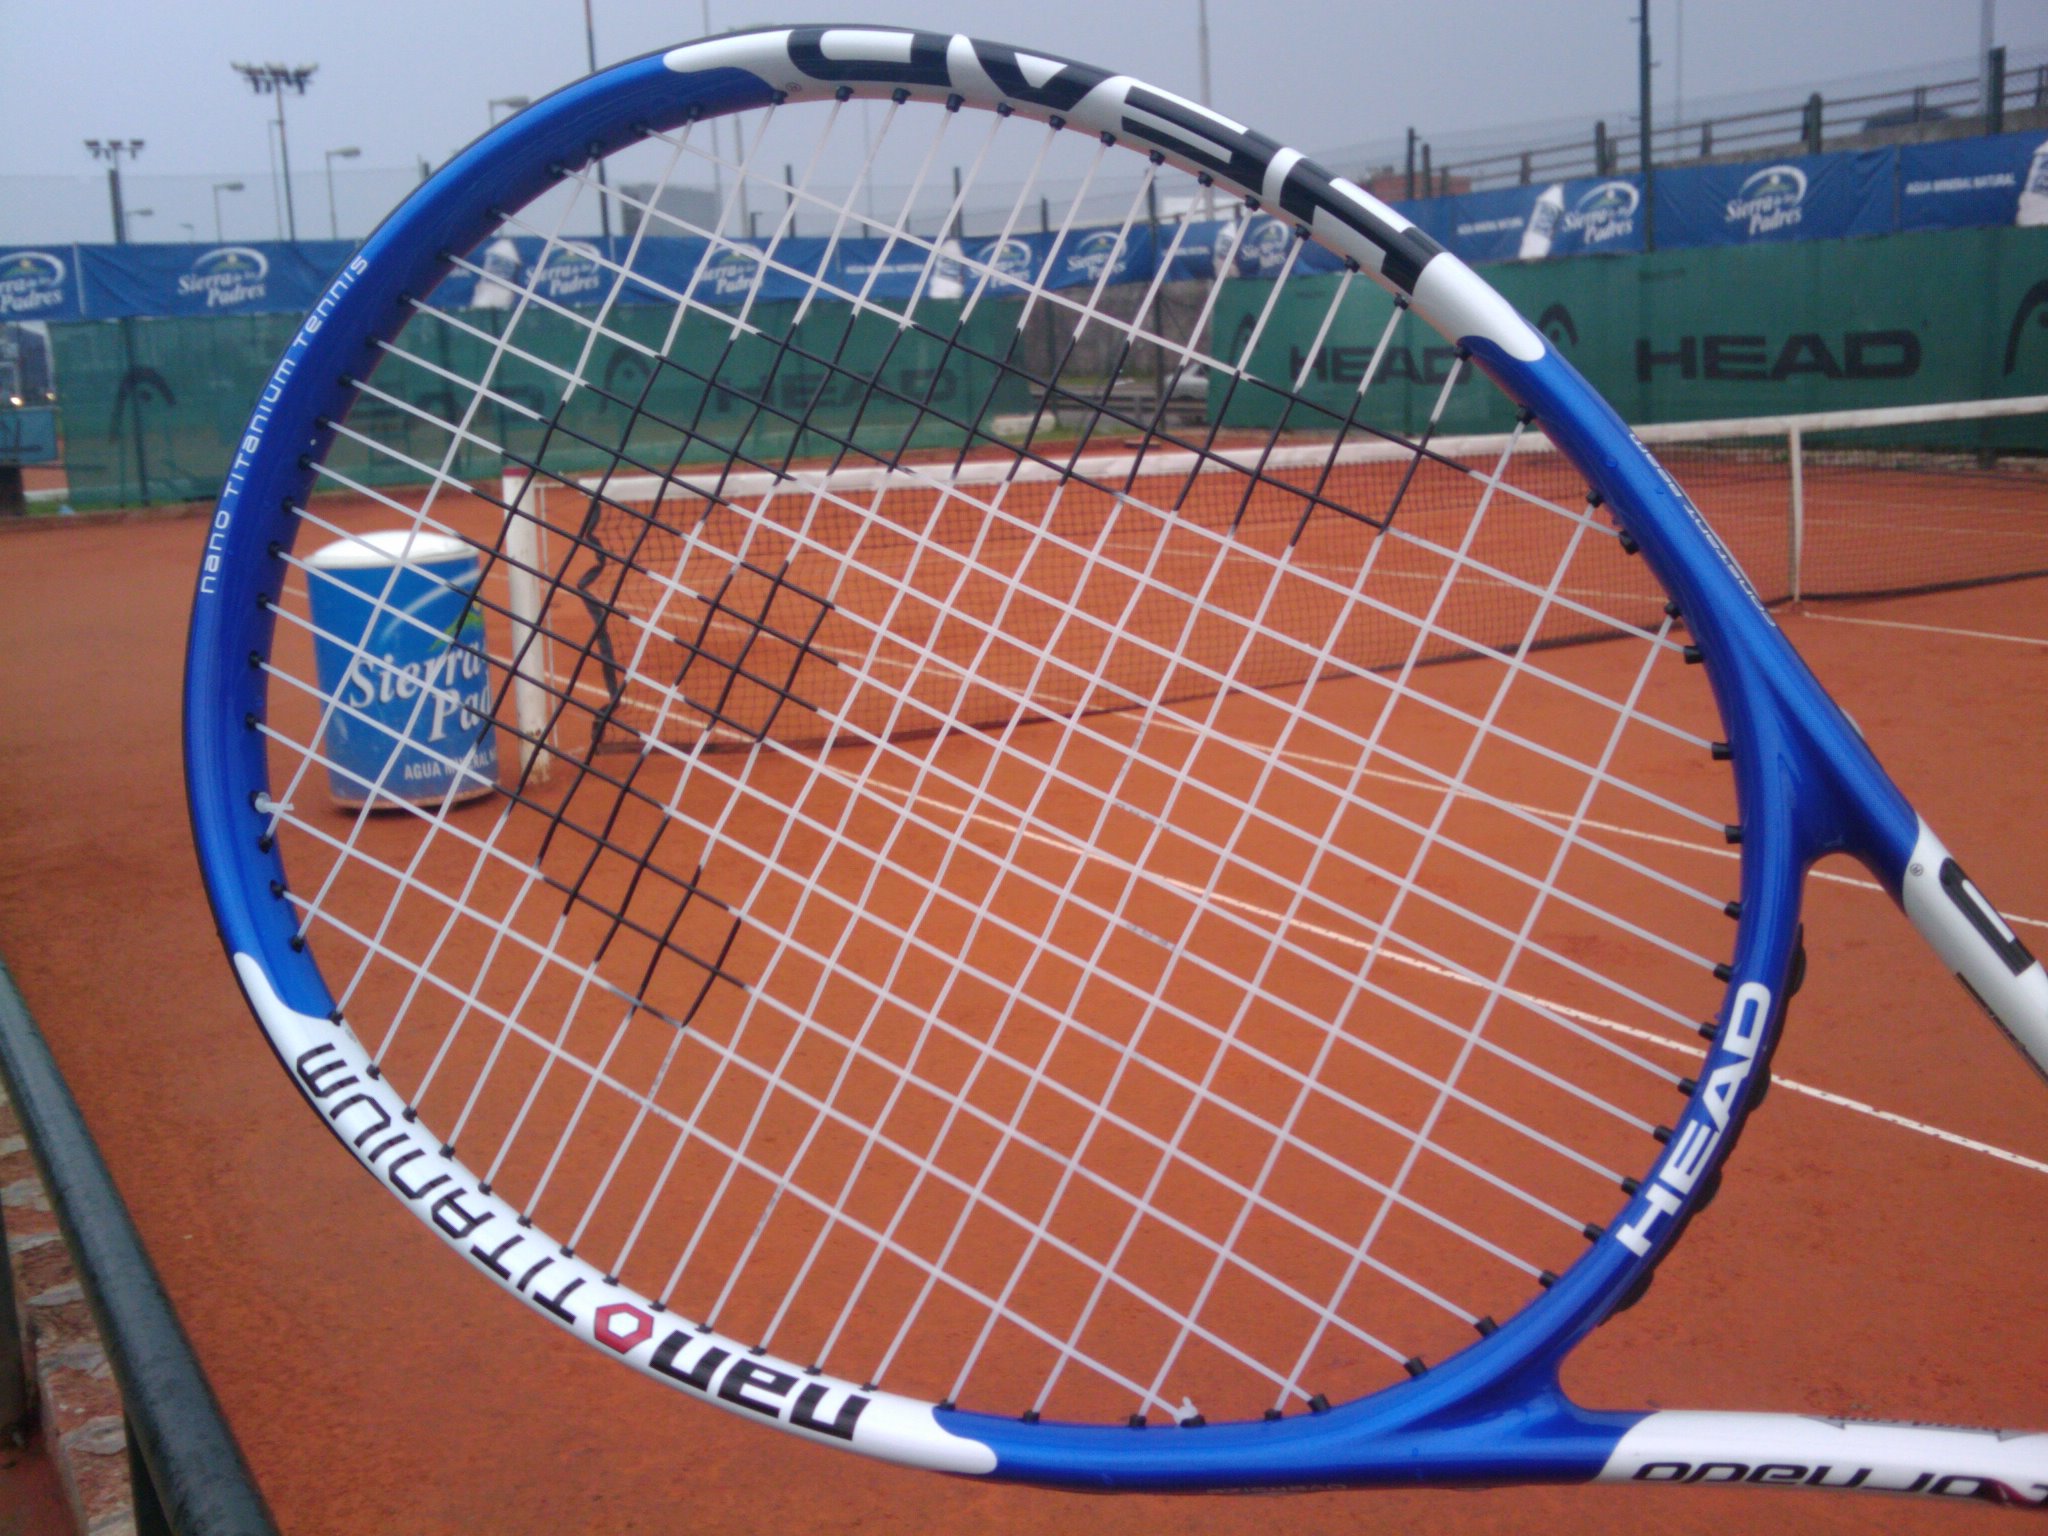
column 1852, row 1265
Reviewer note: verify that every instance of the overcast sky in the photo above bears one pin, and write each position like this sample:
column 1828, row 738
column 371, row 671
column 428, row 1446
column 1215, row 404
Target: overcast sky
column 402, row 79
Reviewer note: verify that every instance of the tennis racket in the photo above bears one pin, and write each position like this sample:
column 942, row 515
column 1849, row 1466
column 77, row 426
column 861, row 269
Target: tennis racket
column 1065, row 852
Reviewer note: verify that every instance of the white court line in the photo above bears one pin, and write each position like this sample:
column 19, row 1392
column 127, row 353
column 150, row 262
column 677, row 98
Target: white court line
column 1790, row 1085
column 1930, row 629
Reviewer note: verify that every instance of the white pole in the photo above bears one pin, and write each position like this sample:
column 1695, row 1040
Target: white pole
column 530, row 660
column 1798, row 511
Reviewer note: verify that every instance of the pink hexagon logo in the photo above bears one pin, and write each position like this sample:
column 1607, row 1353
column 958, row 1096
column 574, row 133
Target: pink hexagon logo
column 621, row 1327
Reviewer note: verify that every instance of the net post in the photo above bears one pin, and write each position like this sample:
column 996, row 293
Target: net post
column 529, row 658
column 1794, row 441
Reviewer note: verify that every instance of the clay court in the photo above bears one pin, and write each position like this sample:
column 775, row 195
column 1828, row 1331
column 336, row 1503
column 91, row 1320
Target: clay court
column 1876, row 1251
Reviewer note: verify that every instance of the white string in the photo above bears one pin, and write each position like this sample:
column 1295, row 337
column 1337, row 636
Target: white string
column 1434, row 780
column 1479, row 568
column 1448, row 961
column 1029, row 847
column 554, row 1050
column 1396, row 689
column 558, row 957
column 1704, row 820
column 1674, row 1014
column 1307, row 1082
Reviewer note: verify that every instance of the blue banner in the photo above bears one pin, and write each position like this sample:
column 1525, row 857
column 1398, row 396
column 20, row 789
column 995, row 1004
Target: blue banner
column 1082, row 259
column 584, row 272
column 1565, row 218
column 1486, row 226
column 1802, row 197
column 263, row 278
column 1961, row 183
column 1262, row 249
column 1949, row 185
column 40, row 283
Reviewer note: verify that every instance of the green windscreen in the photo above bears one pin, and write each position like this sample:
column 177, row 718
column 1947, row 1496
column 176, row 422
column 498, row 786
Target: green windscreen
column 154, row 408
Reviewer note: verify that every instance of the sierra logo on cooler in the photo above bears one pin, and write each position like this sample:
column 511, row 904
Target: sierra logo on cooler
column 454, row 679
column 1603, row 213
column 226, row 276
column 1770, row 199
column 31, row 282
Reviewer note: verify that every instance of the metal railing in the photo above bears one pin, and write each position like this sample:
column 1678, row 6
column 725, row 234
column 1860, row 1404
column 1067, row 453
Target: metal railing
column 186, row 1473
column 1981, row 102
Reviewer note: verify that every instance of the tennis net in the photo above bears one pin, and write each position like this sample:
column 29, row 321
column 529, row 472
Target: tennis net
column 723, row 608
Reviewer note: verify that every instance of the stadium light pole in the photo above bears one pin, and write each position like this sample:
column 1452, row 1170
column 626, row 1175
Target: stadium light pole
column 111, row 151
column 218, row 188
column 276, row 188
column 511, row 104
column 604, row 202
column 277, row 79
column 334, row 224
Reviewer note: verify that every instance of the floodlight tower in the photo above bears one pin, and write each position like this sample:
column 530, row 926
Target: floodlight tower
column 277, row 79
column 111, row 151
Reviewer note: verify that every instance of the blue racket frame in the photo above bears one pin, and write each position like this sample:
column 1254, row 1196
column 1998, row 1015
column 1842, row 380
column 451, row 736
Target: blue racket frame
column 1806, row 785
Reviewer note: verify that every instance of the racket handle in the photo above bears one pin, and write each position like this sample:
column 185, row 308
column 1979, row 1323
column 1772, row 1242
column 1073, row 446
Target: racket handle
column 1978, row 945
column 1795, row 1451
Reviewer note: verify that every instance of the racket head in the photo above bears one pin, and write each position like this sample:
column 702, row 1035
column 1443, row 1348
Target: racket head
column 1490, row 1411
